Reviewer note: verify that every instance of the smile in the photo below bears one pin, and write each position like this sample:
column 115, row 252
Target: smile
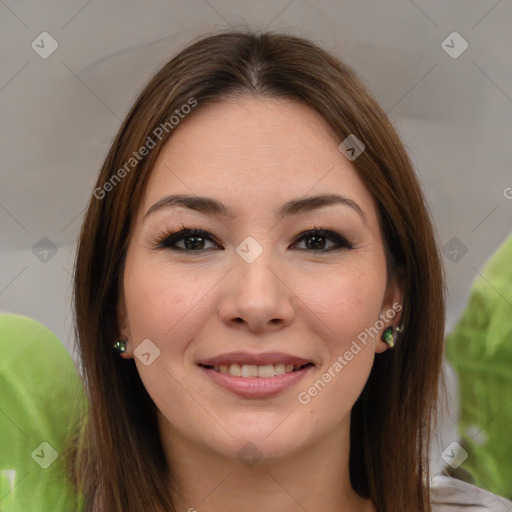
column 252, row 370
column 251, row 381
column 256, row 375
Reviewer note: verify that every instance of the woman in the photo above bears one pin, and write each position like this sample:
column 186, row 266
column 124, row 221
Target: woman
column 260, row 248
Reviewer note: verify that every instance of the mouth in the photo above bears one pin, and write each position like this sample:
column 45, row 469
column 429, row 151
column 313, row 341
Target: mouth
column 256, row 375
column 260, row 371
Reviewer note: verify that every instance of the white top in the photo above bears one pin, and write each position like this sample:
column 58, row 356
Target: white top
column 452, row 495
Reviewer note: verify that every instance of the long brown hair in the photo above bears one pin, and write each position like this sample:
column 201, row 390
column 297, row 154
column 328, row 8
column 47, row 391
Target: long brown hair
column 117, row 457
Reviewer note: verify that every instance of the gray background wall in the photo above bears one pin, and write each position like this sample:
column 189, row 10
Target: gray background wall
column 59, row 114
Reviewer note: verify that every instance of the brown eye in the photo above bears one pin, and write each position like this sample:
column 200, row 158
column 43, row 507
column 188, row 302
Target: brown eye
column 316, row 240
column 194, row 240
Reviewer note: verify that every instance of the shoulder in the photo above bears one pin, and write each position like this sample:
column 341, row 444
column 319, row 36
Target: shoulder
column 451, row 495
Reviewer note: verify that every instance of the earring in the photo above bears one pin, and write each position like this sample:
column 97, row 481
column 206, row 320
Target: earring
column 120, row 346
column 388, row 336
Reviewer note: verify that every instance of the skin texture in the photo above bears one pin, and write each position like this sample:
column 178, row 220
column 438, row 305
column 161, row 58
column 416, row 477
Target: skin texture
column 255, row 154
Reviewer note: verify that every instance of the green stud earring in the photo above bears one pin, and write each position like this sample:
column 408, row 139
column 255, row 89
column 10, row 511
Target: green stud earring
column 120, row 346
column 388, row 336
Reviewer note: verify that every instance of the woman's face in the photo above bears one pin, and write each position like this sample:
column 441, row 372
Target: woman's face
column 255, row 293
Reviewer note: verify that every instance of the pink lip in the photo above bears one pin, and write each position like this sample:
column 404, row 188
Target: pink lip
column 256, row 387
column 254, row 359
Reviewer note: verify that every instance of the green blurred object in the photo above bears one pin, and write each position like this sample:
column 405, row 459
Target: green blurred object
column 480, row 350
column 40, row 397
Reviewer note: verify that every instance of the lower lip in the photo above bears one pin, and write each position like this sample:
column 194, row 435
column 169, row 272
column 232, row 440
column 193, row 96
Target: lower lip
column 256, row 387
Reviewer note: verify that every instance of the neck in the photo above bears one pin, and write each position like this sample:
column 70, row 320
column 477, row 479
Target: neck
column 316, row 478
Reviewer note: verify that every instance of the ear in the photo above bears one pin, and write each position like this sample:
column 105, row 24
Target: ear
column 124, row 327
column 392, row 306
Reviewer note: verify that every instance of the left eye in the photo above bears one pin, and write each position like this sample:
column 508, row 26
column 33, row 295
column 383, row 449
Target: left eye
column 319, row 238
column 195, row 239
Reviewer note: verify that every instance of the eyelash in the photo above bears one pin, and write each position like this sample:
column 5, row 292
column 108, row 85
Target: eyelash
column 171, row 237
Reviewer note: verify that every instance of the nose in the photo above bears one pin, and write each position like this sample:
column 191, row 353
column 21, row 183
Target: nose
column 256, row 297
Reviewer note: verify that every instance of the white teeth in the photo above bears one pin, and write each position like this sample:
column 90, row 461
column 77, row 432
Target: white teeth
column 279, row 368
column 266, row 371
column 252, row 370
column 235, row 370
column 249, row 370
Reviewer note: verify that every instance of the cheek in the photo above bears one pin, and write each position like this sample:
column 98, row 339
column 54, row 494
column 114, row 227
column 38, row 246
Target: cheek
column 164, row 305
column 345, row 305
column 160, row 302
column 349, row 304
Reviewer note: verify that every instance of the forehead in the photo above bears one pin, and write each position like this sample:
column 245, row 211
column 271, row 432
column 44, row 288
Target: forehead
column 247, row 127
column 250, row 151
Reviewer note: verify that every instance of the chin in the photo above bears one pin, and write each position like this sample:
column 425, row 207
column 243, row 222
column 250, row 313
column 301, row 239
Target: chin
column 263, row 445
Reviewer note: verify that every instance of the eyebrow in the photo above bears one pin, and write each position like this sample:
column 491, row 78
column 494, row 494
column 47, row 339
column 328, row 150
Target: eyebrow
column 210, row 206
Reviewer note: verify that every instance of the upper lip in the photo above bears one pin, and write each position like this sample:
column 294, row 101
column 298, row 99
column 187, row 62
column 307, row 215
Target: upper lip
column 254, row 359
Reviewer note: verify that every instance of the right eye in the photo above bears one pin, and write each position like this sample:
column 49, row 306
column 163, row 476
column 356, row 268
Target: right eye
column 194, row 240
